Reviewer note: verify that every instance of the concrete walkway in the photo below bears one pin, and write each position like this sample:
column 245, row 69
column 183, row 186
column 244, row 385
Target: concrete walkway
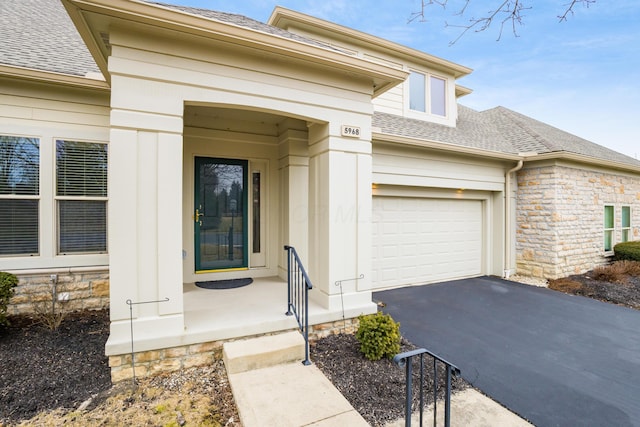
column 272, row 387
column 291, row 395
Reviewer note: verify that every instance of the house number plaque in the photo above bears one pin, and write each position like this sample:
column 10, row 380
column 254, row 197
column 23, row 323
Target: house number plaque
column 350, row 131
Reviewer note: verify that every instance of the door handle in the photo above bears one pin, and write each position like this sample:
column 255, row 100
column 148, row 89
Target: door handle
column 197, row 215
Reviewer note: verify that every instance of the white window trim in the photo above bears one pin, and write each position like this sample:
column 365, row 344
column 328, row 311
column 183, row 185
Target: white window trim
column 630, row 227
column 611, row 230
column 48, row 258
column 448, row 100
column 56, row 199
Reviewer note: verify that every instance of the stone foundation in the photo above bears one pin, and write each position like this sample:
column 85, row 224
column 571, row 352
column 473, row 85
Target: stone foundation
column 166, row 360
column 153, row 362
column 88, row 290
column 347, row 326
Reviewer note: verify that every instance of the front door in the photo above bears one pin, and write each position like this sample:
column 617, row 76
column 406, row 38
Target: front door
column 220, row 214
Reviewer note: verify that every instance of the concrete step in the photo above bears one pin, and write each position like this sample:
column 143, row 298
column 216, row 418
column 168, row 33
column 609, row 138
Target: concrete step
column 263, row 352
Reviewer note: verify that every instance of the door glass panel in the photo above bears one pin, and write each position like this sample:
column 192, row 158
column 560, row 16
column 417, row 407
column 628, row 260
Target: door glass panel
column 220, row 214
column 256, row 212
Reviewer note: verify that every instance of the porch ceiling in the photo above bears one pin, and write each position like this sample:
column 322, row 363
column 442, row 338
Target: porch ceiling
column 238, row 120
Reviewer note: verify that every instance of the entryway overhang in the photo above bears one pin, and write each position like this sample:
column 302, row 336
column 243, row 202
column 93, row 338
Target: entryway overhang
column 95, row 18
column 190, row 89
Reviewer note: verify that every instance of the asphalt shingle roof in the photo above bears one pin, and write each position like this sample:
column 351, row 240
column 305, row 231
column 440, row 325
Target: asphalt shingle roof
column 529, row 134
column 244, row 21
column 472, row 130
column 501, row 130
column 38, row 34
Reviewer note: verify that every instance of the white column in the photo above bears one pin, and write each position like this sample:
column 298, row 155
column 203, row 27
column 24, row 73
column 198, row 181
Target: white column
column 145, row 232
column 294, row 196
column 340, row 217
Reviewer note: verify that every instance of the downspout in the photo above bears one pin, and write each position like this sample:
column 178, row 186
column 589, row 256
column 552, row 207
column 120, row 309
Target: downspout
column 507, row 219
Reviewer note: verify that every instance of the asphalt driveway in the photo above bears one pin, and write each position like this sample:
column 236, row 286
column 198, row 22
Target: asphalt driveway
column 554, row 359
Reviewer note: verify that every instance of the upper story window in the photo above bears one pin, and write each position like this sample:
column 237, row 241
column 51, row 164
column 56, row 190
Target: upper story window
column 427, row 94
column 19, row 195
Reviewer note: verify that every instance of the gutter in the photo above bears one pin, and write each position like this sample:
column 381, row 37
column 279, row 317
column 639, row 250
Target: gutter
column 507, row 219
column 581, row 158
column 53, row 77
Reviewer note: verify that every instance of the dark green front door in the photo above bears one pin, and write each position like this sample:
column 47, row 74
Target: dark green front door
column 220, row 214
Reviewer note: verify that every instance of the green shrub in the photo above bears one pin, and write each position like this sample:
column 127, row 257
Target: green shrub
column 8, row 281
column 627, row 251
column 379, row 336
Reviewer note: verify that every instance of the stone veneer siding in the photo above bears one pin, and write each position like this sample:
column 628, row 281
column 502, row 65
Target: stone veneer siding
column 88, row 290
column 560, row 218
column 148, row 363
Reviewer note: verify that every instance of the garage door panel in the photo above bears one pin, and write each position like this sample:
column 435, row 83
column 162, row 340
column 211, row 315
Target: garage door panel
column 424, row 240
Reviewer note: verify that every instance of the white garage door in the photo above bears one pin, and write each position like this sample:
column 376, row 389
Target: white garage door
column 425, row 240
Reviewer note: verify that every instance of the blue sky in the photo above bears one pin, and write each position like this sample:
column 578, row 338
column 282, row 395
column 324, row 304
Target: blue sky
column 582, row 76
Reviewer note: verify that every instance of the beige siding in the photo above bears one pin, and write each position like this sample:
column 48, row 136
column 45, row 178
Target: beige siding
column 50, row 112
column 391, row 102
column 396, row 165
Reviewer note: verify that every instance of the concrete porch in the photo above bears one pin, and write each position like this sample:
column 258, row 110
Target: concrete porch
column 259, row 308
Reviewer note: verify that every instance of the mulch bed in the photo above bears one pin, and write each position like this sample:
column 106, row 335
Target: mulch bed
column 376, row 389
column 42, row 369
column 625, row 292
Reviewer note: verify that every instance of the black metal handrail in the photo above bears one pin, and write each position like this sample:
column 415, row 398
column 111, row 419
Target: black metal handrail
column 405, row 360
column 298, row 286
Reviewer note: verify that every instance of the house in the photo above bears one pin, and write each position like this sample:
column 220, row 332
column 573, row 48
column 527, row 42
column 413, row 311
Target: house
column 145, row 147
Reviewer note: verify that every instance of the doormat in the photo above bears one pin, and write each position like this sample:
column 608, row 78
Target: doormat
column 225, row 284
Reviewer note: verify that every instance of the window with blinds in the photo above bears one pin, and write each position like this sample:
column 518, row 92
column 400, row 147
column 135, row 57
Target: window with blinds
column 19, row 195
column 81, row 197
